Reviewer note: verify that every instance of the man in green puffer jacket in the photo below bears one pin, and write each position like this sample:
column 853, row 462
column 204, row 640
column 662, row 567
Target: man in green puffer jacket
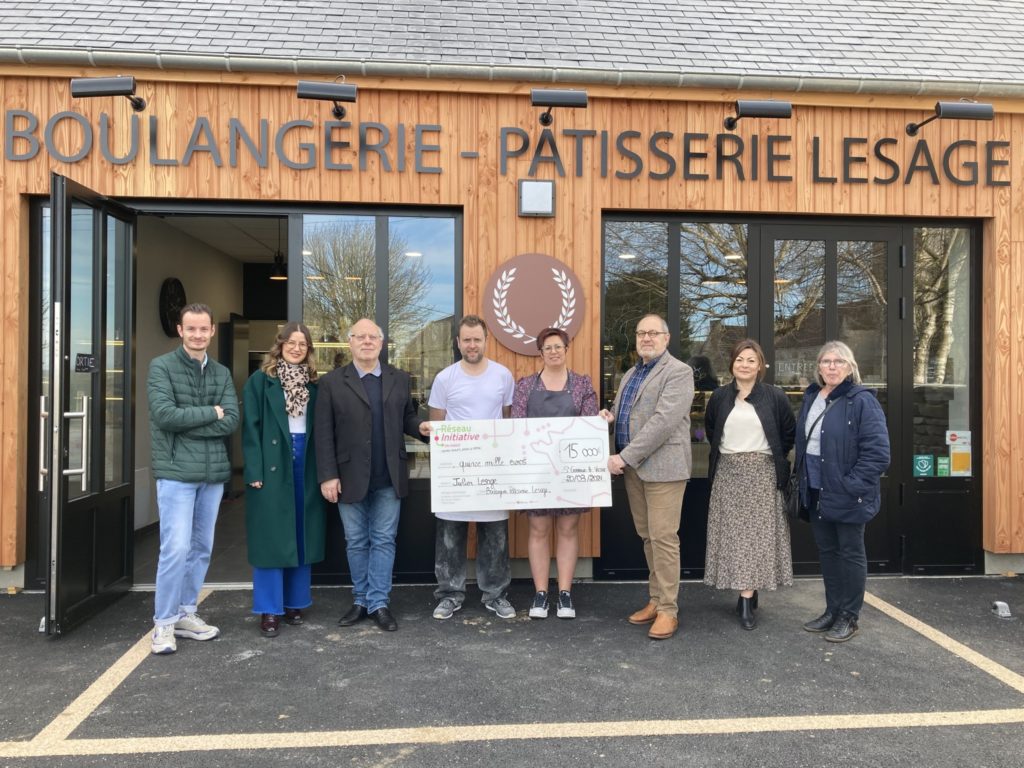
column 193, row 408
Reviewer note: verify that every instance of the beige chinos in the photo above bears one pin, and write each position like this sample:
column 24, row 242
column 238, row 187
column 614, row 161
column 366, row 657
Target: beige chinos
column 656, row 510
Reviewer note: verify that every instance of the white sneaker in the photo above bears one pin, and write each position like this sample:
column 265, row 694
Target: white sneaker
column 565, row 606
column 539, row 609
column 162, row 641
column 194, row 628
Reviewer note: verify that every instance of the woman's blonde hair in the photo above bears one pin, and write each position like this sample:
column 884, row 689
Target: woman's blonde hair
column 842, row 351
column 269, row 365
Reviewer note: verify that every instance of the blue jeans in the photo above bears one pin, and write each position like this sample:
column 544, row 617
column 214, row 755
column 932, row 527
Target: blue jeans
column 274, row 589
column 371, row 526
column 188, row 517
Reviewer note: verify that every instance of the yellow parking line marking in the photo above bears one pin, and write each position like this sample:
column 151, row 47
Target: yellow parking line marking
column 985, row 664
column 509, row 732
column 77, row 711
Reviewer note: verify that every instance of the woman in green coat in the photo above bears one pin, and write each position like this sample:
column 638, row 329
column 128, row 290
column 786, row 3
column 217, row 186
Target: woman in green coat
column 284, row 511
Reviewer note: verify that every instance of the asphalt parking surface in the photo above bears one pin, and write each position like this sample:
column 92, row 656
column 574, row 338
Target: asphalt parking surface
column 476, row 688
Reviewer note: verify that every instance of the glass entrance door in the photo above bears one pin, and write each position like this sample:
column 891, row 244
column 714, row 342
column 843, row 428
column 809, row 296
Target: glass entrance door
column 85, row 404
column 838, row 283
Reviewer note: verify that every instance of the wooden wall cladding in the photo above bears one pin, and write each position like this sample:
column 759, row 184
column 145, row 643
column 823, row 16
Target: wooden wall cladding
column 471, row 117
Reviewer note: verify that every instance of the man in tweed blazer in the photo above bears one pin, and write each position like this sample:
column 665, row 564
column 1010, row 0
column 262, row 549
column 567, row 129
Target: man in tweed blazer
column 652, row 449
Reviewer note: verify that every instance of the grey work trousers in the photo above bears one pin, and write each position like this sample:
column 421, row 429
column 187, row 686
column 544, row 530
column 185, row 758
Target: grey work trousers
column 493, row 569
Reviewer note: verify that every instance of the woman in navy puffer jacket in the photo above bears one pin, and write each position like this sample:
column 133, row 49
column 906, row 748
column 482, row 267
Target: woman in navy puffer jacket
column 843, row 446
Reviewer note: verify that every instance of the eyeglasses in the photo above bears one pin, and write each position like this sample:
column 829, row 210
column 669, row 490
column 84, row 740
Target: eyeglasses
column 296, row 345
column 830, row 363
column 553, row 348
column 364, row 336
column 650, row 334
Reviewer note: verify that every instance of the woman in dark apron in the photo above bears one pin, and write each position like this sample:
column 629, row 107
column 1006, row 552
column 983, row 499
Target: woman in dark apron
column 554, row 391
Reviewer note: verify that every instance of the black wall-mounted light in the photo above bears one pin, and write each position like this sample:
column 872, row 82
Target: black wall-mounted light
column 955, row 110
column 122, row 85
column 336, row 92
column 753, row 108
column 553, row 97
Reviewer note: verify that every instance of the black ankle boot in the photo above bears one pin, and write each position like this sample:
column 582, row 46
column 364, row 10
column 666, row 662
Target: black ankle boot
column 753, row 602
column 747, row 619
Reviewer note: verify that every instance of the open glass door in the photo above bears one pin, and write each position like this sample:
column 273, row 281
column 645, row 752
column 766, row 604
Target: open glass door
column 86, row 441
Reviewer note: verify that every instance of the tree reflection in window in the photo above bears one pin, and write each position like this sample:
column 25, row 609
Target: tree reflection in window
column 942, row 326
column 711, row 295
column 799, row 311
column 941, row 279
column 862, row 273
column 712, row 298
column 340, row 286
column 635, row 280
column 342, row 255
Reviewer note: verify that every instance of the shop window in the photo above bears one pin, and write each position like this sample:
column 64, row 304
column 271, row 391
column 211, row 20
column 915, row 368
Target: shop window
column 695, row 275
column 354, row 264
column 862, row 302
column 421, row 310
column 339, row 286
column 798, row 312
column 712, row 314
column 116, row 324
column 635, row 283
column 942, row 354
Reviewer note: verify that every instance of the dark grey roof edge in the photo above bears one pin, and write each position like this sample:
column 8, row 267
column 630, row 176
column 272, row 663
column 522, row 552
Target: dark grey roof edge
column 78, row 57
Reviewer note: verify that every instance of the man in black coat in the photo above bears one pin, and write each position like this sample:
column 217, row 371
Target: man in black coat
column 363, row 410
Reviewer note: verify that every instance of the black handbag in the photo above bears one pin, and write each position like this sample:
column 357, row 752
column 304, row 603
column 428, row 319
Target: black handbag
column 791, row 496
column 791, row 491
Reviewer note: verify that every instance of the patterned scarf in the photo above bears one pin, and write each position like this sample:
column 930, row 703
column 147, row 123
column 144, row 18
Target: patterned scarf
column 294, row 379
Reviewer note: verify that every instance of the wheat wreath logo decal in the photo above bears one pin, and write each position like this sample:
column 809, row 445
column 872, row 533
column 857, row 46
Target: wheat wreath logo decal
column 528, row 293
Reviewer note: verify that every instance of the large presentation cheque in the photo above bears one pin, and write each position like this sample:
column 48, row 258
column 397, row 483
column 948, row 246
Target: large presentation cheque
column 519, row 464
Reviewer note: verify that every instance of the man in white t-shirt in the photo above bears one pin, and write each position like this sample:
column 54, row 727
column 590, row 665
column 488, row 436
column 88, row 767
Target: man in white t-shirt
column 473, row 388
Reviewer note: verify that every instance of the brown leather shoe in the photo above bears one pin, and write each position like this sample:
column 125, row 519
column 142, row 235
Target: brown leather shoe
column 645, row 615
column 664, row 627
column 269, row 624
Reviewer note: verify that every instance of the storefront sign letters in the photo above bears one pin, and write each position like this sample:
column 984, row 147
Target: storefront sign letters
column 298, row 144
column 702, row 157
column 338, row 145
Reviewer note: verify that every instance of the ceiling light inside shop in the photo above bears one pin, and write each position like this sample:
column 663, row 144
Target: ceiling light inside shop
column 279, row 271
column 353, row 277
column 413, row 254
column 307, row 253
column 627, row 256
column 734, row 257
column 315, row 277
